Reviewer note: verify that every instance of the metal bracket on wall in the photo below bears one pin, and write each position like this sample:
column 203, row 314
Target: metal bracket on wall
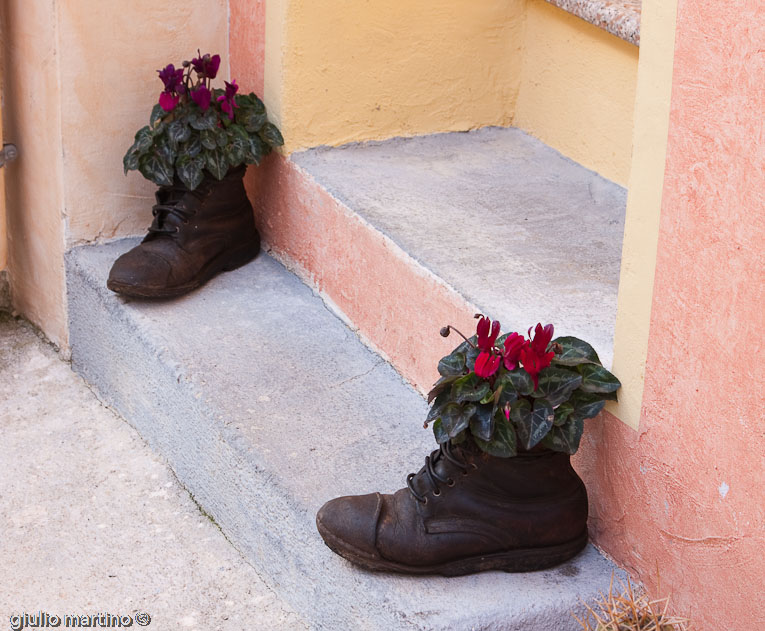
column 8, row 154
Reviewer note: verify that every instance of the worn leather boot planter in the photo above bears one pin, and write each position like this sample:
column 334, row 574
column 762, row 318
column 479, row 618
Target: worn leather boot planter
column 499, row 493
column 195, row 235
column 196, row 147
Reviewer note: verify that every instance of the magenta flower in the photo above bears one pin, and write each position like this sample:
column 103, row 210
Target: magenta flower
column 486, row 364
column 513, row 346
column 171, row 77
column 486, row 339
column 542, row 337
column 534, row 363
column 227, row 103
column 206, row 66
column 168, row 101
column 201, row 96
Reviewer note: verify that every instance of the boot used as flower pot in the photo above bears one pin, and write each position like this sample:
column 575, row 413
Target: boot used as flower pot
column 499, row 493
column 464, row 512
column 195, row 235
column 195, row 148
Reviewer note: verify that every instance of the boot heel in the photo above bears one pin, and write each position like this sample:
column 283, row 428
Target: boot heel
column 242, row 255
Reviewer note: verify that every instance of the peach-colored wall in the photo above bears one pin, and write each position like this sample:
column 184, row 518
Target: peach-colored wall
column 32, row 121
column 247, row 43
column 80, row 81
column 110, row 51
column 687, row 492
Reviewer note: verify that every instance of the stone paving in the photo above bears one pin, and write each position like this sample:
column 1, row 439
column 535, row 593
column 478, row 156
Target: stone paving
column 93, row 522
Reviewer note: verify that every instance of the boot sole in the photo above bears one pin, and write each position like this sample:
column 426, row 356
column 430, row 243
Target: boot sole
column 225, row 262
column 519, row 560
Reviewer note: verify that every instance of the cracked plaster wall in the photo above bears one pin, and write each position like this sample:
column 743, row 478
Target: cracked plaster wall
column 80, row 81
column 684, row 494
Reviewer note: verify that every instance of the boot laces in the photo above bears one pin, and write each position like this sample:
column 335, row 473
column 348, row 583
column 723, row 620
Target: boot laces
column 162, row 211
column 444, row 451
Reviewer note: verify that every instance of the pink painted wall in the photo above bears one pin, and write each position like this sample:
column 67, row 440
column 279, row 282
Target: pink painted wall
column 686, row 493
column 247, row 43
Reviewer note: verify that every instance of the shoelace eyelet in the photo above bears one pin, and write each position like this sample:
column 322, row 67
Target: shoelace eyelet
column 437, row 493
column 450, row 482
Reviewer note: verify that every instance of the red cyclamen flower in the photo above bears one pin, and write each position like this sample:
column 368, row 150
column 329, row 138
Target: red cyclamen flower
column 486, row 364
column 513, row 346
column 206, row 66
column 201, row 96
column 542, row 337
column 168, row 101
column 227, row 103
column 171, row 77
column 533, row 363
column 485, row 338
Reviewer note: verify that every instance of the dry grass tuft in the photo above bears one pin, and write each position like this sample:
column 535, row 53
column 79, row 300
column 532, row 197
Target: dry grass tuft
column 629, row 611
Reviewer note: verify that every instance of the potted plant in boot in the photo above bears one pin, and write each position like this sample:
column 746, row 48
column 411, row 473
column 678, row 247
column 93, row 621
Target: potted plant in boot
column 195, row 148
column 499, row 493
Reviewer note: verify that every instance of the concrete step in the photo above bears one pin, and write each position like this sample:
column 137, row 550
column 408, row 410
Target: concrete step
column 265, row 404
column 434, row 228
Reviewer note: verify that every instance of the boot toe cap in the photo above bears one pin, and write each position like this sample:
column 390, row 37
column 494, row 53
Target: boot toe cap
column 348, row 525
column 139, row 270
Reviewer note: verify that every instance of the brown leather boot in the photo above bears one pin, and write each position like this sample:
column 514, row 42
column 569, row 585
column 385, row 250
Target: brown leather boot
column 465, row 512
column 195, row 235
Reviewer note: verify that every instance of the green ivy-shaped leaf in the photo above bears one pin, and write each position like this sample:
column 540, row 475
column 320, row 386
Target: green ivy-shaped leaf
column 565, row 438
column 236, row 151
column 166, row 150
column 143, row 139
column 444, row 383
column 503, row 443
column 597, row 379
column 439, row 433
column 557, row 384
column 253, row 121
column 482, row 422
column 208, row 139
column 532, row 424
column 178, row 131
column 208, row 120
column 451, row 365
column 456, row 418
column 216, row 163
column 586, row 405
column 562, row 413
column 438, row 404
column 507, row 395
column 518, row 379
column 257, row 150
column 130, row 161
column 157, row 114
column 154, row 168
column 470, row 388
column 191, row 148
column 189, row 170
column 575, row 352
column 271, row 134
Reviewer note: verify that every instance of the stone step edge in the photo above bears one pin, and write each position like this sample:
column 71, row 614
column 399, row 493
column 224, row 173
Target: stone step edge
column 313, row 251
column 204, row 471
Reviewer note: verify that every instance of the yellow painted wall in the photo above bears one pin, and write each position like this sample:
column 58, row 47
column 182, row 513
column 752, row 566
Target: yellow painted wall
column 577, row 91
column 641, row 230
column 368, row 70
column 347, row 71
